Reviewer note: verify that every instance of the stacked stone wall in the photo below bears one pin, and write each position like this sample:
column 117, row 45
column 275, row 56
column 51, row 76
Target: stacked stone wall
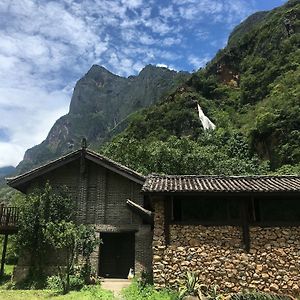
column 217, row 255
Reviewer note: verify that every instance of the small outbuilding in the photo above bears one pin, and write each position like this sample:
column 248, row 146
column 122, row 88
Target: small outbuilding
column 238, row 232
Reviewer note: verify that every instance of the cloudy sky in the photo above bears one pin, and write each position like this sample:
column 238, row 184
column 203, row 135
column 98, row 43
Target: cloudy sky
column 46, row 46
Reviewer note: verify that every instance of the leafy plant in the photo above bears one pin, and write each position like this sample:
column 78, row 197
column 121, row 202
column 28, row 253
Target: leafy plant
column 55, row 283
column 258, row 296
column 209, row 293
column 190, row 286
column 47, row 229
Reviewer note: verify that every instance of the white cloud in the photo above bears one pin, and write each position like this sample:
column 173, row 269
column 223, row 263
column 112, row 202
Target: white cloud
column 162, row 65
column 214, row 11
column 28, row 115
column 198, row 61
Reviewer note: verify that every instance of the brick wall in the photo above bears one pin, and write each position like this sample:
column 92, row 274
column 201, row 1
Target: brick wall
column 101, row 197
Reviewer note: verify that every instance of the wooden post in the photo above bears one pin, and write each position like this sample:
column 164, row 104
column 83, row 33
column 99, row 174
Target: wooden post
column 3, row 254
column 4, row 244
column 245, row 224
column 1, row 211
column 167, row 214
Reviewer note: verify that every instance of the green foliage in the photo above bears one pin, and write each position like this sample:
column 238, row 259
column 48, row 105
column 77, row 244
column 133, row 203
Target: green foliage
column 46, row 227
column 190, row 286
column 8, row 195
column 97, row 293
column 11, row 251
column 277, row 120
column 36, row 211
column 71, row 240
column 55, row 283
column 215, row 153
column 136, row 292
column 258, row 296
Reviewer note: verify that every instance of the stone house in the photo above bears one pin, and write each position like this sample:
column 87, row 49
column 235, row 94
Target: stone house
column 108, row 196
column 236, row 232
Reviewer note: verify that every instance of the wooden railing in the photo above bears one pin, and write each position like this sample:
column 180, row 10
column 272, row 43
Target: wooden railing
column 9, row 217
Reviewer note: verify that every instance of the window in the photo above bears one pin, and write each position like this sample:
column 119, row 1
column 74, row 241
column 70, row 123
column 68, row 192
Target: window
column 213, row 210
column 275, row 210
column 205, row 210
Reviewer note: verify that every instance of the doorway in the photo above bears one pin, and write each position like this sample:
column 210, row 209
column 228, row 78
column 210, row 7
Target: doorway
column 116, row 254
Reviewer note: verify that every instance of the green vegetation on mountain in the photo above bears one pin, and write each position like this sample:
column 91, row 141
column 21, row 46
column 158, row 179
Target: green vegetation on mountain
column 250, row 90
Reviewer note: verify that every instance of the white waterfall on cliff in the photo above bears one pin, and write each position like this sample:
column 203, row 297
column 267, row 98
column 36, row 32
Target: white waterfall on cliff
column 206, row 122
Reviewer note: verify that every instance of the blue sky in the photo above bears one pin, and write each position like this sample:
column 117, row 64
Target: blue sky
column 46, row 46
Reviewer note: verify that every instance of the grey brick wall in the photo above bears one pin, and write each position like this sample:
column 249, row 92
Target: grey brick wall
column 101, row 197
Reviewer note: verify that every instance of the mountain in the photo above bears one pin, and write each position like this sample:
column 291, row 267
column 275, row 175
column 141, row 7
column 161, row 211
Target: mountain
column 250, row 90
column 4, row 171
column 100, row 107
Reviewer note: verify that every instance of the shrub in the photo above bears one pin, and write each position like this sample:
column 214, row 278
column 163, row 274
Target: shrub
column 54, row 283
column 258, row 296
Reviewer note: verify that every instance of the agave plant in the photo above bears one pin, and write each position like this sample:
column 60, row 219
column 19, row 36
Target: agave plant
column 209, row 293
column 190, row 286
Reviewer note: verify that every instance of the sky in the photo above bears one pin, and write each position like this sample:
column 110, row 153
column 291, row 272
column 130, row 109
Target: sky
column 46, row 46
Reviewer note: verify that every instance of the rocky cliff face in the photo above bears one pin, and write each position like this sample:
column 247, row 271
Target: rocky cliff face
column 100, row 102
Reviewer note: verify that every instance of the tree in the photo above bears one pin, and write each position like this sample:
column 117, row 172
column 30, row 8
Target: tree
column 71, row 240
column 46, row 227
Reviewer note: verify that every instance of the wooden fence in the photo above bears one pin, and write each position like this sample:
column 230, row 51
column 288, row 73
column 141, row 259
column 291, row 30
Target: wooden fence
column 9, row 217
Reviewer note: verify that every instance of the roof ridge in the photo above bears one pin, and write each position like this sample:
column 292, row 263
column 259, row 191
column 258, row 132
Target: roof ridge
column 44, row 165
column 89, row 154
column 114, row 162
column 221, row 176
column 217, row 183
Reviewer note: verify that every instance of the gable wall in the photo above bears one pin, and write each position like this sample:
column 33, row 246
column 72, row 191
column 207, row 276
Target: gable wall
column 101, row 197
column 100, row 194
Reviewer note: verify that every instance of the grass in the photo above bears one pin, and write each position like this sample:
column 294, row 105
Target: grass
column 8, row 270
column 91, row 293
column 88, row 293
column 135, row 292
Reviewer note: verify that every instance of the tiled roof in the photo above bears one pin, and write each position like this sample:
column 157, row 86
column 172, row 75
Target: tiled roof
column 198, row 183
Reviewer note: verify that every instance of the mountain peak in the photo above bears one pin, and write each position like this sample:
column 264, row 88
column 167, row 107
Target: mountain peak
column 96, row 70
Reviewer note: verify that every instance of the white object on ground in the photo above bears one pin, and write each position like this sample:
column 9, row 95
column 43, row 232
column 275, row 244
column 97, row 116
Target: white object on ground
column 130, row 274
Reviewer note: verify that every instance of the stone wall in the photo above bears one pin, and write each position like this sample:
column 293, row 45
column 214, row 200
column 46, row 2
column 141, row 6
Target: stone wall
column 217, row 255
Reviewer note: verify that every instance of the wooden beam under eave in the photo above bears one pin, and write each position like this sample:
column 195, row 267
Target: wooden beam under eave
column 245, row 224
column 167, row 219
